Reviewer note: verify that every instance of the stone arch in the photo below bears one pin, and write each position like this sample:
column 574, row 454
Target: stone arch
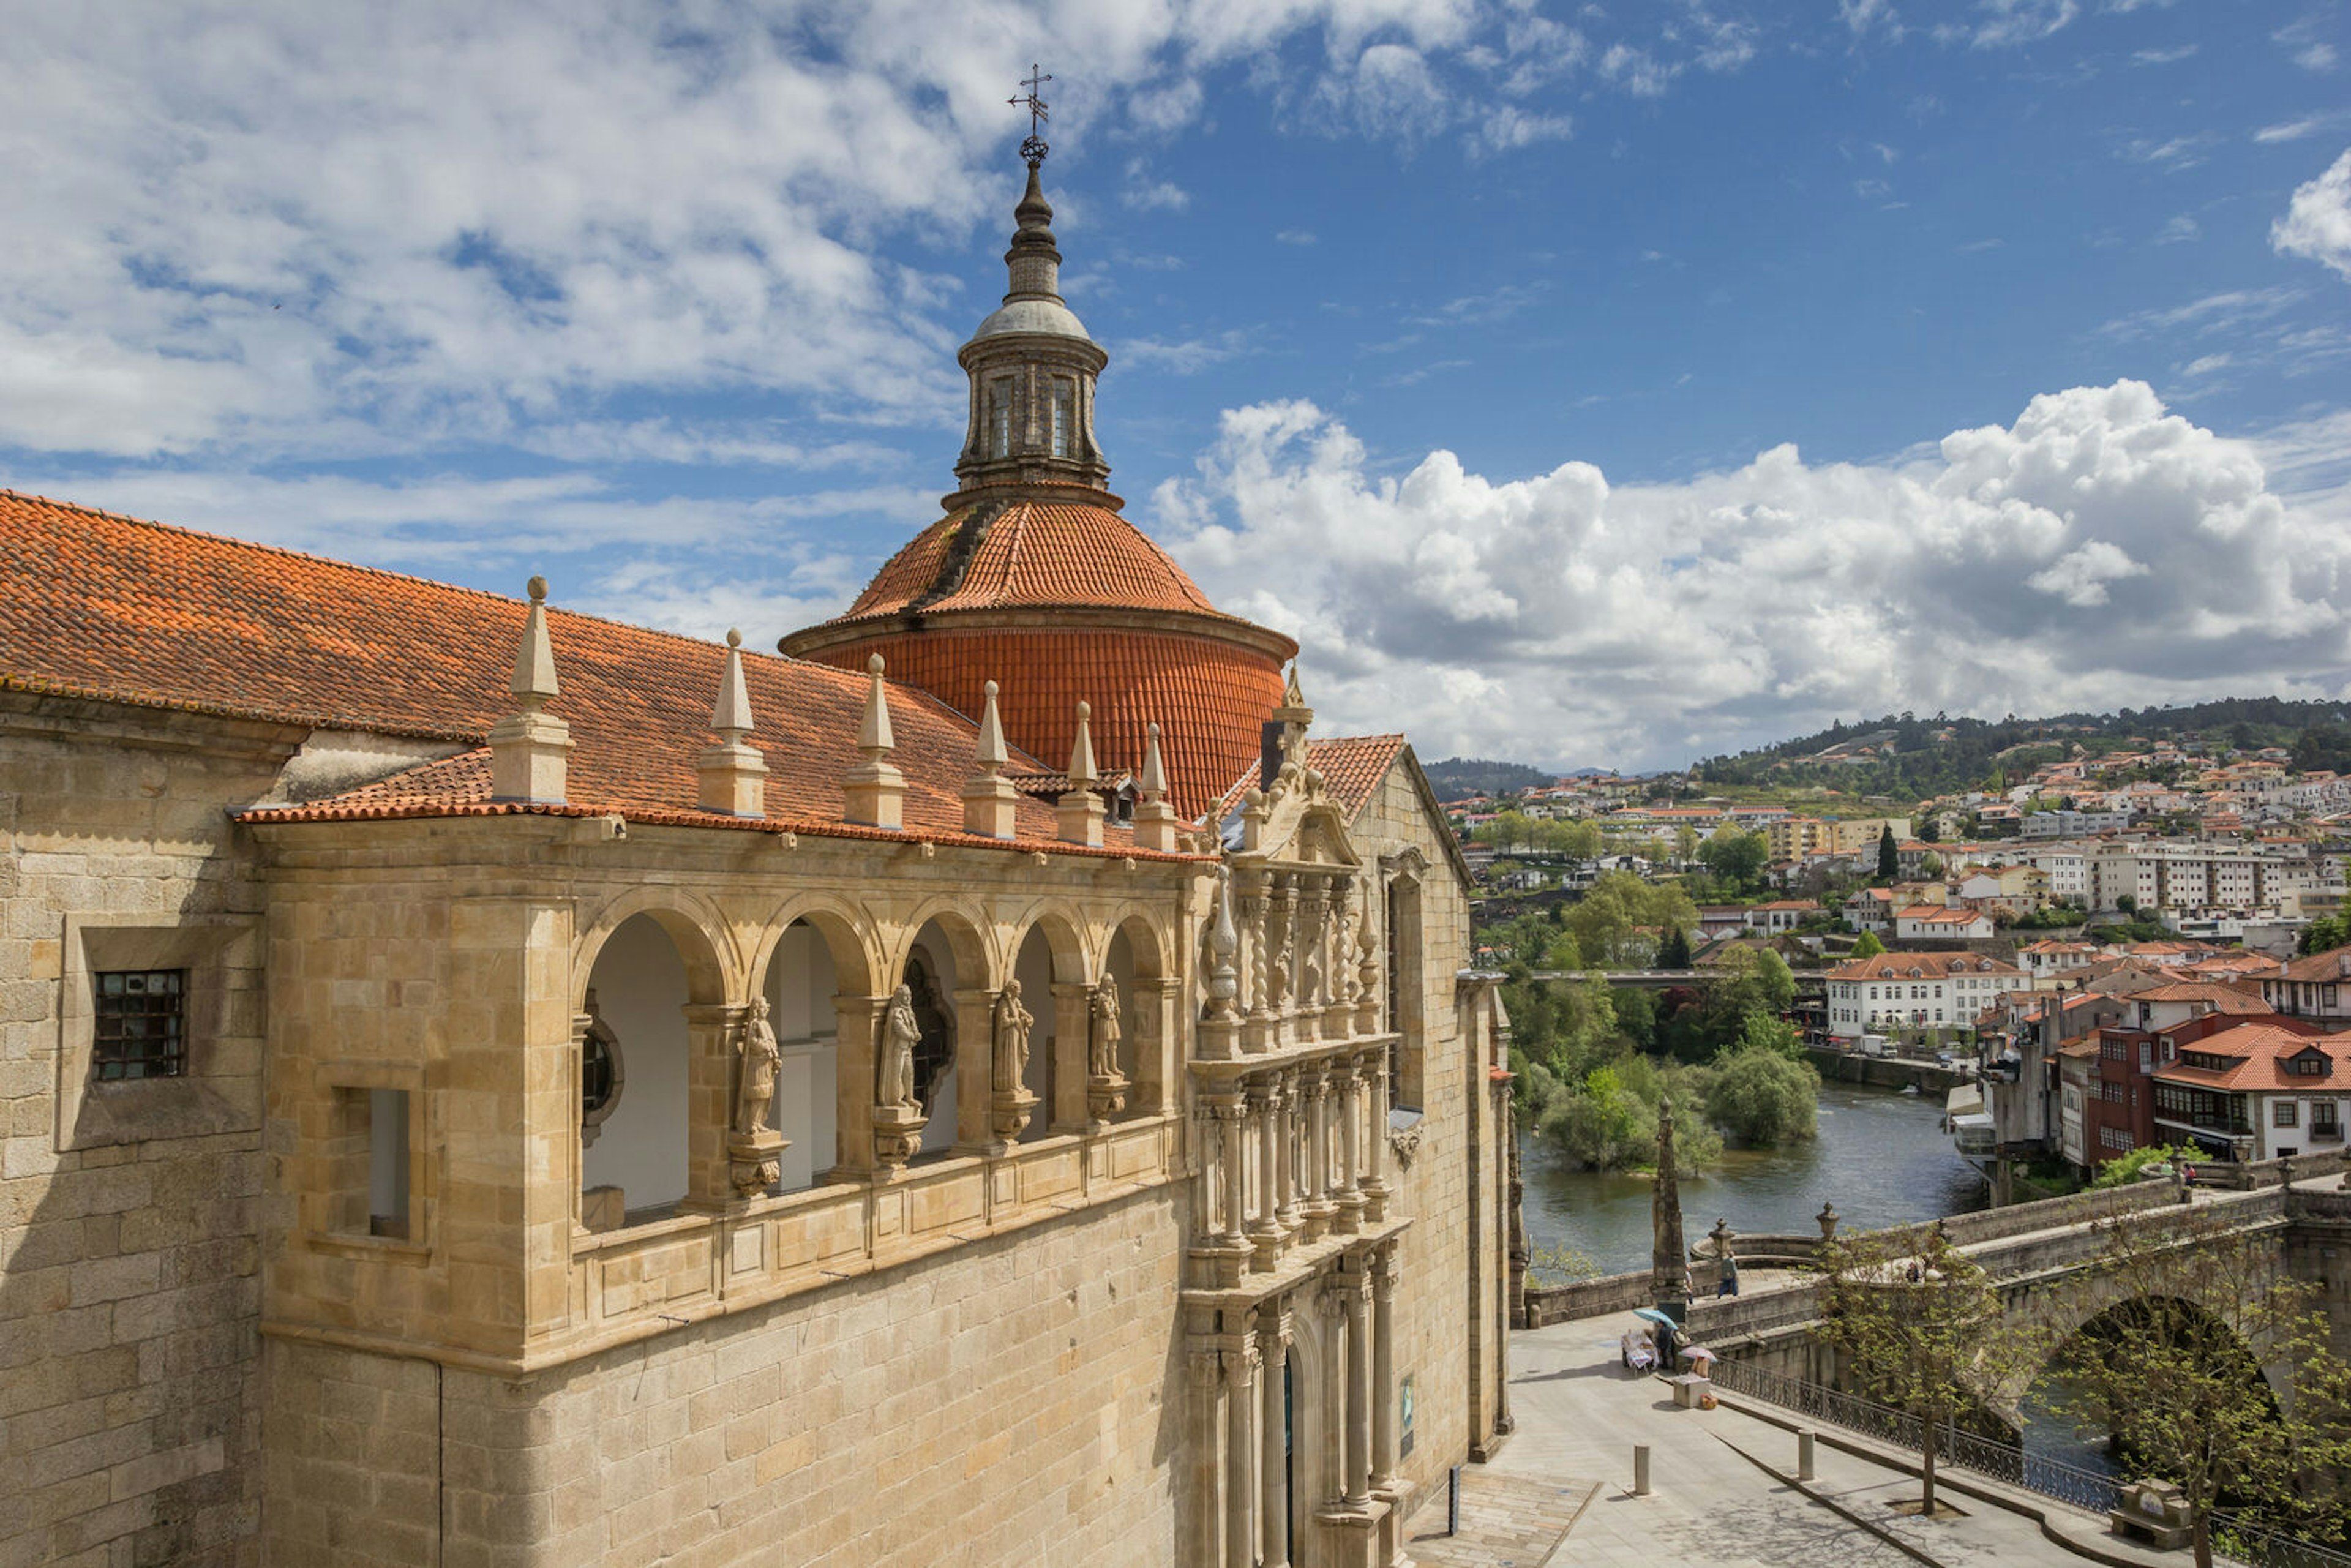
column 1136, row 956
column 1047, row 955
column 2067, row 1310
column 703, row 937
column 943, row 953
column 815, row 949
column 652, row 976
column 849, row 934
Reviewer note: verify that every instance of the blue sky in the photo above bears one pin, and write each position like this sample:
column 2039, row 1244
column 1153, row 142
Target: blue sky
column 1580, row 385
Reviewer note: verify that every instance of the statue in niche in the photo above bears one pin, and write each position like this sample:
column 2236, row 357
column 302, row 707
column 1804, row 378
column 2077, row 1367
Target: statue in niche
column 1277, row 972
column 761, row 1060
column 900, row 1033
column 1310, row 985
column 1013, row 1023
column 1344, row 987
column 1102, row 1055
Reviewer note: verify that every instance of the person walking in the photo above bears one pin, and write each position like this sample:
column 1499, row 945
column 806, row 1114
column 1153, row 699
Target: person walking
column 1730, row 1276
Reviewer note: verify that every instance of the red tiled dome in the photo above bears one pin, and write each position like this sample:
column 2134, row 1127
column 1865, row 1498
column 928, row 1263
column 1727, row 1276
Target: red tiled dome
column 1058, row 601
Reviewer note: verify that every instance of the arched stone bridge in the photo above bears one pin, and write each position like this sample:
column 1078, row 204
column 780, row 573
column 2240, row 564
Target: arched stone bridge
column 2042, row 1256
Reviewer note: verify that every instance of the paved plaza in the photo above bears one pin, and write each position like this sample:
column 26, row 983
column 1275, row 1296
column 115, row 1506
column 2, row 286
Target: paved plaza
column 1722, row 1488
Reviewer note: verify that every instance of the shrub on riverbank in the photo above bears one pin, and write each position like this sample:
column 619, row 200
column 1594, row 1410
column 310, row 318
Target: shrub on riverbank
column 1761, row 1096
column 1608, row 1119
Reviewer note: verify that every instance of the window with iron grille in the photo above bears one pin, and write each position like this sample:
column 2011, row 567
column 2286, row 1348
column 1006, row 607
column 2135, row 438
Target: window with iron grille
column 141, row 1024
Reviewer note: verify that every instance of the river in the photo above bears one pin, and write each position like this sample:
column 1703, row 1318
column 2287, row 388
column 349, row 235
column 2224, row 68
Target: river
column 1882, row 1157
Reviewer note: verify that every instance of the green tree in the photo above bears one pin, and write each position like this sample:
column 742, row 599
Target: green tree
column 2325, row 935
column 1921, row 1327
column 1760, row 1094
column 1738, row 857
column 2123, row 1169
column 2168, row 1373
column 1674, row 952
column 1930, row 830
column 1869, row 946
column 1608, row 923
column 1889, row 854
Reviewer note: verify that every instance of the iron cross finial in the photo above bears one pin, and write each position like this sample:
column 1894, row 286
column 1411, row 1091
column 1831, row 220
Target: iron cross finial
column 1033, row 149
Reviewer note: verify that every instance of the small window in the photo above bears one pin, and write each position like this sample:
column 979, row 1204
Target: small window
column 2285, row 1113
column 141, row 1025
column 1064, row 397
column 367, row 1163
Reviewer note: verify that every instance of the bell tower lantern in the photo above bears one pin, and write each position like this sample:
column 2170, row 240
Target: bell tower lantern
column 1032, row 369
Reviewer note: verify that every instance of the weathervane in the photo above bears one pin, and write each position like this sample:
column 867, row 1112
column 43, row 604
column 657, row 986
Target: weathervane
column 1033, row 149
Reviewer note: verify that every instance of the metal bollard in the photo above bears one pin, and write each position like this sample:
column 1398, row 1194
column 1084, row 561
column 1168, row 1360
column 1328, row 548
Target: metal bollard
column 1453, row 1501
column 1640, row 1470
column 1804, row 1456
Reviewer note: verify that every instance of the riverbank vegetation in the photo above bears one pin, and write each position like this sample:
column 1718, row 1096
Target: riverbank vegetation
column 1594, row 1061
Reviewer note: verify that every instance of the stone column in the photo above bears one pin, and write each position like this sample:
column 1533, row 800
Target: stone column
column 974, row 1069
column 1359, row 1397
column 1350, row 1107
column 1231, row 1145
column 1318, row 1206
column 1066, row 1109
column 1241, row 1456
column 1155, row 1067
column 710, row 1070
column 1274, row 1348
column 1257, row 953
column 1375, row 1120
column 1265, row 1233
column 1334, row 1393
column 1384, row 1411
column 1205, row 1451
column 857, row 1018
column 1285, row 1150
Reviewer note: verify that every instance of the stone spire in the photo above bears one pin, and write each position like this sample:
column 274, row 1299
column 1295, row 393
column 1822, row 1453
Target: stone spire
column 732, row 775
column 1081, row 809
column 531, row 749
column 1156, row 825
column 873, row 791
column 989, row 801
column 1032, row 370
column 1668, row 1256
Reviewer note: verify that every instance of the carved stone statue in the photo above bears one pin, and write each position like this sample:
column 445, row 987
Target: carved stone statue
column 1277, row 972
column 1012, row 1025
column 900, row 1034
column 1224, row 942
column 761, row 1060
column 1101, row 1056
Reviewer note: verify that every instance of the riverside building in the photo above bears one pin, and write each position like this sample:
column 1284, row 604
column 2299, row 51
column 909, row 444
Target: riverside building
column 491, row 1085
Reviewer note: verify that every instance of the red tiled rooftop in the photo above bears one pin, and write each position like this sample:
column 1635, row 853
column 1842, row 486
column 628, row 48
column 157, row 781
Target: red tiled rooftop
column 110, row 607
column 1352, row 767
column 1025, row 554
column 2261, row 1050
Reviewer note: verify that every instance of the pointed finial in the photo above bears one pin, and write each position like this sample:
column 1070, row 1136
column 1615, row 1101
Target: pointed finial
column 874, row 736
column 992, row 754
column 1153, row 782
column 1290, row 696
column 730, row 716
column 1081, row 751
column 534, row 668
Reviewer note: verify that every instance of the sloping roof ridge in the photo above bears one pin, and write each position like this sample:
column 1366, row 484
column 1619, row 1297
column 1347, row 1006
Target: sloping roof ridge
column 434, row 583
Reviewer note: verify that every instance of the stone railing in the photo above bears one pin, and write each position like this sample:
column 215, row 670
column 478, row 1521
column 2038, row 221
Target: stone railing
column 628, row 1283
column 1290, row 1151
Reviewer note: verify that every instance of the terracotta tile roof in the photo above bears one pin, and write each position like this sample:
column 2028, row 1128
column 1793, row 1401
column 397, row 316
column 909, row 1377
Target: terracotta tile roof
column 2334, row 963
column 1352, row 767
column 990, row 557
column 1209, row 698
column 2261, row 1051
column 104, row 606
column 2222, row 999
column 1930, row 967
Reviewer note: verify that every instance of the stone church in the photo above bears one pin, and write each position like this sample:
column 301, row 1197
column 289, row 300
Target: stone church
column 488, row 1085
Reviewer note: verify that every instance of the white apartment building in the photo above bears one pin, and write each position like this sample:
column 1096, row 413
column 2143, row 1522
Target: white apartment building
column 1916, row 991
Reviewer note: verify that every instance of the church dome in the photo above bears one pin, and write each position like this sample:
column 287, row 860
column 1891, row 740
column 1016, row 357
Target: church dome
column 1034, row 580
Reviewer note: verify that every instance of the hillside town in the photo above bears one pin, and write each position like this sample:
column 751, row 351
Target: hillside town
column 2143, row 950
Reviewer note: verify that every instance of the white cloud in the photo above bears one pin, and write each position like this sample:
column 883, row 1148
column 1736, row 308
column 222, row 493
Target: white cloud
column 2098, row 550
column 2163, row 56
column 2317, row 222
column 1510, row 127
column 2009, row 22
column 1187, row 355
column 2290, row 129
column 1640, row 75
column 1147, row 195
column 2316, row 57
column 2180, row 230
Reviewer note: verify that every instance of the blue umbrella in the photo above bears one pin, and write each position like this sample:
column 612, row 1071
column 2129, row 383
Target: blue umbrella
column 1651, row 1315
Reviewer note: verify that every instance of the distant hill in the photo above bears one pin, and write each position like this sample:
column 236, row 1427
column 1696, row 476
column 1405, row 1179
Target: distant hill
column 1907, row 756
column 1458, row 776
